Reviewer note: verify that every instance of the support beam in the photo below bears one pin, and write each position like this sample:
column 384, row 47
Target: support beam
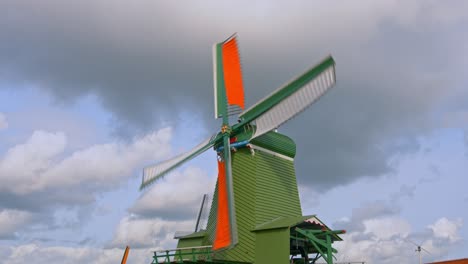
column 322, row 241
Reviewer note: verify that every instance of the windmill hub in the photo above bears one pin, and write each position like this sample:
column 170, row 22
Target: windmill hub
column 226, row 129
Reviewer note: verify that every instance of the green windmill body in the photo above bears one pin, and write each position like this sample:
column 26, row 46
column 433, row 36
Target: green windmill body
column 265, row 189
column 267, row 204
column 255, row 214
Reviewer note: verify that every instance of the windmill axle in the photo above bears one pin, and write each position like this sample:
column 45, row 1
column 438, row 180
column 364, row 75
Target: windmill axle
column 236, row 145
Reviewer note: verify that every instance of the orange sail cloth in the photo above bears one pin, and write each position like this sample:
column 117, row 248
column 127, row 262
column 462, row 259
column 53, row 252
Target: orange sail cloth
column 223, row 228
column 232, row 73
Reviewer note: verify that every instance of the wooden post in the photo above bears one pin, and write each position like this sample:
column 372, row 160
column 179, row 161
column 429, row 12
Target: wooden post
column 124, row 259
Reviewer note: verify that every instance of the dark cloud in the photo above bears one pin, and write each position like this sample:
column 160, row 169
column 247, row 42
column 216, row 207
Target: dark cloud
column 149, row 61
column 403, row 192
column 45, row 211
column 168, row 213
column 45, row 240
column 39, row 201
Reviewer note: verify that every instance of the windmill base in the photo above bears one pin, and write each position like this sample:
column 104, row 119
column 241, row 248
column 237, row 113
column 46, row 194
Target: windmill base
column 284, row 240
column 270, row 226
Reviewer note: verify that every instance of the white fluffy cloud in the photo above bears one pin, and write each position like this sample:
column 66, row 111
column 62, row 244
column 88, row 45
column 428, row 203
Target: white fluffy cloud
column 386, row 228
column 177, row 196
column 389, row 239
column 43, row 176
column 41, row 162
column 72, row 255
column 445, row 228
column 106, row 164
column 3, row 121
column 171, row 205
column 23, row 164
column 155, row 233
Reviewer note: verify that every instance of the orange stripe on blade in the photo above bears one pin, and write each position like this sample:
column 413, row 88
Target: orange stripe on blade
column 223, row 232
column 232, row 73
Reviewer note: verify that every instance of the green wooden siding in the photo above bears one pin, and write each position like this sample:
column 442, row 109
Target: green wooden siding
column 243, row 171
column 272, row 253
column 276, row 186
column 188, row 242
column 211, row 225
column 265, row 188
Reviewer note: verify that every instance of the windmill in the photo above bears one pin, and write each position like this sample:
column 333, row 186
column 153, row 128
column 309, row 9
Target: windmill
column 419, row 249
column 248, row 144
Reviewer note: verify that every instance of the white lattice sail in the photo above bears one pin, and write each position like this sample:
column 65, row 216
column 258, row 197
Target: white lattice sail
column 296, row 102
column 154, row 172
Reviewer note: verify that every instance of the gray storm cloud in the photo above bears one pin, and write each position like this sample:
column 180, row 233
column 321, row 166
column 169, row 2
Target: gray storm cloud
column 398, row 64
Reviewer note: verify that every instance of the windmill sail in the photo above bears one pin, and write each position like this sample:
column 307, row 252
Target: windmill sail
column 291, row 99
column 154, row 172
column 228, row 87
column 229, row 100
column 226, row 225
column 223, row 236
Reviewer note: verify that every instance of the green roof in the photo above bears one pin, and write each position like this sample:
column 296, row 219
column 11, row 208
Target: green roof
column 288, row 222
column 276, row 142
column 198, row 234
column 282, row 222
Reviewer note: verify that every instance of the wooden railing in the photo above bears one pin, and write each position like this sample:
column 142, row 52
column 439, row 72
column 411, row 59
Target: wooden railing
column 178, row 255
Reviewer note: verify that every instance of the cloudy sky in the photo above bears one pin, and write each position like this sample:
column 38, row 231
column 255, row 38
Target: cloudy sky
column 92, row 91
